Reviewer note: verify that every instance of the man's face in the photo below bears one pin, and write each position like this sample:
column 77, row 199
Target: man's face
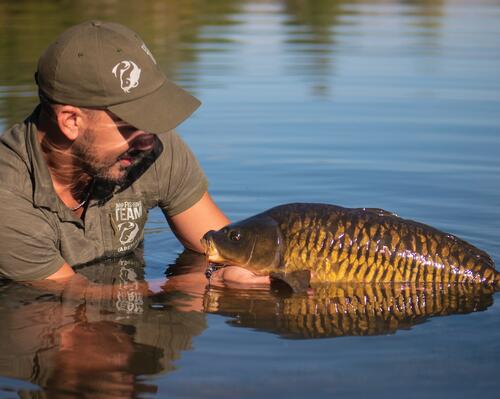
column 109, row 147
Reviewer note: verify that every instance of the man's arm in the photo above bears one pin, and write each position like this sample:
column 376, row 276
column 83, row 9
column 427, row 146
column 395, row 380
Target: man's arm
column 190, row 226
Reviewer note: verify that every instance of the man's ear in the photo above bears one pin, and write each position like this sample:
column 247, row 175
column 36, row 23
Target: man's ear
column 70, row 120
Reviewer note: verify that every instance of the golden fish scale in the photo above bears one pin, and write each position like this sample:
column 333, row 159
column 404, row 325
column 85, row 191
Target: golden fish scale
column 368, row 309
column 371, row 245
column 348, row 309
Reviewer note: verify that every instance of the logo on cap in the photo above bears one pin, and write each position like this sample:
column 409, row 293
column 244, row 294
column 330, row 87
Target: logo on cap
column 129, row 73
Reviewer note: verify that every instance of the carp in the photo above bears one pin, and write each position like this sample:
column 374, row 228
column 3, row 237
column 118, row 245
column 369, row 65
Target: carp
column 305, row 243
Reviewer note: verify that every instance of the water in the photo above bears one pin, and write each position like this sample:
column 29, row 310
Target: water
column 390, row 104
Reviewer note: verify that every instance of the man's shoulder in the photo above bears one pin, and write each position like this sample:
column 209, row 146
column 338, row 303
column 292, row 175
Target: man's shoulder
column 173, row 146
column 14, row 157
column 166, row 138
column 13, row 140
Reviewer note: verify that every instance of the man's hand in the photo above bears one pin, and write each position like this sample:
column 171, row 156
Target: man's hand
column 234, row 275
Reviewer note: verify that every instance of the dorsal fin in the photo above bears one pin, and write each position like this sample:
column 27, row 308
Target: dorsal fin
column 376, row 211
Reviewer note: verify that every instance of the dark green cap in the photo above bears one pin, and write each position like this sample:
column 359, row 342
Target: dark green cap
column 106, row 65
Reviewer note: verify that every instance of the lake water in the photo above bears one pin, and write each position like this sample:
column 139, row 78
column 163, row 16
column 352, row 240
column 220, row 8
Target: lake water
column 389, row 104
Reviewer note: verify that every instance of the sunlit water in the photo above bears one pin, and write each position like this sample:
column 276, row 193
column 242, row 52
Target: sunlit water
column 390, row 104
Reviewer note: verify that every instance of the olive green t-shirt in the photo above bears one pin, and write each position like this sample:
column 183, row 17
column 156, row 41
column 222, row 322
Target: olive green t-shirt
column 38, row 233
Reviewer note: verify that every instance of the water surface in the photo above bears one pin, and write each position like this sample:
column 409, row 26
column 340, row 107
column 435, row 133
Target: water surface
column 389, row 104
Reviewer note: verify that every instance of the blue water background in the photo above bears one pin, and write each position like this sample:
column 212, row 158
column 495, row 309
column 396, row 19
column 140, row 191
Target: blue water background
column 390, row 104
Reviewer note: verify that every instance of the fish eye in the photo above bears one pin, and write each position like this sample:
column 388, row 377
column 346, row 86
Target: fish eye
column 234, row 235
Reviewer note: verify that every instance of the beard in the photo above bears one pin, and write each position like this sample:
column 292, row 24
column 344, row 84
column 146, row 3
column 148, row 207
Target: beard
column 107, row 170
column 88, row 161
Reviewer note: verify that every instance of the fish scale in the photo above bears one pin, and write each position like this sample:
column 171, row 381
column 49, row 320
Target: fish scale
column 417, row 247
column 339, row 244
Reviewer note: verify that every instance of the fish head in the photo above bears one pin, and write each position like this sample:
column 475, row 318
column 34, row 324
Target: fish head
column 254, row 244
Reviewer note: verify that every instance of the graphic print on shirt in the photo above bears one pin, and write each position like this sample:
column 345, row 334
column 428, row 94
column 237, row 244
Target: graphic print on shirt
column 129, row 219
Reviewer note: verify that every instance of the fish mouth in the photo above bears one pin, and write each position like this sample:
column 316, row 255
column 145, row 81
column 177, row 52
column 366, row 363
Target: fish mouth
column 210, row 249
column 213, row 258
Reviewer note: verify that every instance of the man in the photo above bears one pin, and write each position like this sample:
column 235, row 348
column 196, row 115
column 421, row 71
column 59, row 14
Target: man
column 78, row 176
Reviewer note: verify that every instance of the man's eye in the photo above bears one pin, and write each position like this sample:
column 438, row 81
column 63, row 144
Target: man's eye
column 234, row 235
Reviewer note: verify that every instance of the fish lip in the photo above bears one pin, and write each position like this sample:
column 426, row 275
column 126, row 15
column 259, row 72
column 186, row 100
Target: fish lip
column 210, row 250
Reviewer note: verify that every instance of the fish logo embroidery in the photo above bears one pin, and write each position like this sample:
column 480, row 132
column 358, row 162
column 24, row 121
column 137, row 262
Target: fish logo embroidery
column 128, row 232
column 128, row 221
column 129, row 73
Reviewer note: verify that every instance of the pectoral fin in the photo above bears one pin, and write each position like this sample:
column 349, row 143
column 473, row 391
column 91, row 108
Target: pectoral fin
column 298, row 281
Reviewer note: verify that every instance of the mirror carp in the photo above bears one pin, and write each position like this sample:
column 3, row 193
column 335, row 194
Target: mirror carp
column 305, row 243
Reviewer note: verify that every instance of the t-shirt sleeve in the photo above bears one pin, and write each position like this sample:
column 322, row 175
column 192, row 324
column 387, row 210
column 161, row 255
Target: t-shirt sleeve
column 28, row 240
column 182, row 181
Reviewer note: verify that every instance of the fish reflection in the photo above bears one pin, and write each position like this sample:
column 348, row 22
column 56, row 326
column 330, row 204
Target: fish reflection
column 345, row 310
column 330, row 310
column 99, row 336
column 109, row 326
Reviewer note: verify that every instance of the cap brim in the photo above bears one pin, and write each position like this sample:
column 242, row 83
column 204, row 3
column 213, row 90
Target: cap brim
column 159, row 111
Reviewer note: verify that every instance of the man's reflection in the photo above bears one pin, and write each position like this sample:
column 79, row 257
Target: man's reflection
column 106, row 327
column 96, row 335
column 93, row 358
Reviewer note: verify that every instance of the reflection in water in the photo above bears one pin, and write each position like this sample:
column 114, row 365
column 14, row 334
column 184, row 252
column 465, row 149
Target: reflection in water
column 179, row 33
column 311, row 40
column 99, row 336
column 317, row 33
column 109, row 327
column 173, row 31
column 350, row 310
column 331, row 310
